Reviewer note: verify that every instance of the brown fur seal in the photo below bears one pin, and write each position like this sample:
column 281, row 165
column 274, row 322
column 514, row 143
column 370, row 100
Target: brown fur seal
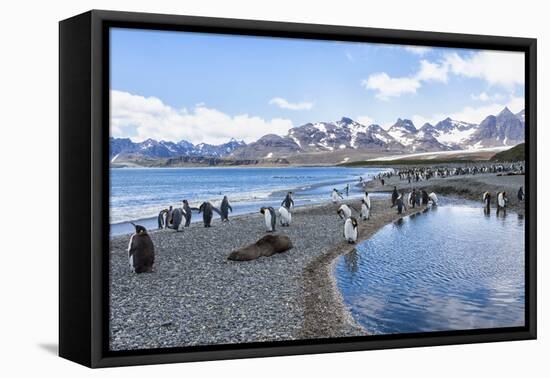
column 266, row 246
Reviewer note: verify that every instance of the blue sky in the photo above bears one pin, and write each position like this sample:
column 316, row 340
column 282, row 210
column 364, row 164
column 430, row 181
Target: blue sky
column 208, row 88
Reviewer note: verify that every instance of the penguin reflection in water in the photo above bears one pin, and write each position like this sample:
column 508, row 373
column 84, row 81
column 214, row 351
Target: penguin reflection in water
column 350, row 230
column 141, row 251
column 270, row 218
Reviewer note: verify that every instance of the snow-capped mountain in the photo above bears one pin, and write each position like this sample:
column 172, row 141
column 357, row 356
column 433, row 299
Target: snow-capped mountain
column 416, row 140
column 521, row 115
column 452, row 133
column 504, row 129
column 345, row 133
column 153, row 149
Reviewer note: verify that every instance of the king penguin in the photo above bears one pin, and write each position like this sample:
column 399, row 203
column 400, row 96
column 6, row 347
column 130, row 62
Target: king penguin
column 350, row 230
column 141, row 251
column 225, row 207
column 270, row 218
column 286, row 216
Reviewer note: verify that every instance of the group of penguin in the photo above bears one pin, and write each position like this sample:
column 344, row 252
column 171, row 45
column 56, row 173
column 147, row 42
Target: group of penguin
column 180, row 217
column 285, row 215
column 350, row 223
column 502, row 200
column 141, row 253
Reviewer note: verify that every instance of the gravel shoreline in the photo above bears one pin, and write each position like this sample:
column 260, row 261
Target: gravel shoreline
column 195, row 296
column 469, row 187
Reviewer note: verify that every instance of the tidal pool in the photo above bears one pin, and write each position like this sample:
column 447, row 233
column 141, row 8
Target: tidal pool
column 449, row 268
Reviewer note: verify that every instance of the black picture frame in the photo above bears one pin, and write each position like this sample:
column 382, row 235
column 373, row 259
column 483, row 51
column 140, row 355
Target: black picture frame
column 84, row 190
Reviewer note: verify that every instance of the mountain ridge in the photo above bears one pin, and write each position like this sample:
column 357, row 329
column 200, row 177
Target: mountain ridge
column 346, row 134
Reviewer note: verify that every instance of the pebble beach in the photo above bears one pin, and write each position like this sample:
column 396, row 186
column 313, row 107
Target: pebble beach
column 195, row 296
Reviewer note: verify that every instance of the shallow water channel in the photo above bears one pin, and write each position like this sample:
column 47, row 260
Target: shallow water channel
column 449, row 268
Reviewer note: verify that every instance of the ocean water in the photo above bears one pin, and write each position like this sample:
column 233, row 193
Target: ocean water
column 451, row 268
column 138, row 194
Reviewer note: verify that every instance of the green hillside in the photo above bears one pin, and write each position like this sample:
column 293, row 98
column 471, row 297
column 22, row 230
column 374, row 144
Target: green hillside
column 516, row 153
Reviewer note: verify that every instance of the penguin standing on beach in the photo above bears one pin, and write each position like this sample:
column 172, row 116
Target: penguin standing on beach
column 350, row 230
column 394, row 196
column 162, row 219
column 285, row 216
column 365, row 210
column 433, row 199
column 141, row 251
column 400, row 204
column 270, row 218
column 188, row 212
column 225, row 207
column 344, row 212
column 487, row 200
column 288, row 202
column 336, row 196
column 176, row 219
column 502, row 200
column 207, row 211
column 411, row 199
column 366, row 198
column 425, row 197
column 521, row 194
column 168, row 217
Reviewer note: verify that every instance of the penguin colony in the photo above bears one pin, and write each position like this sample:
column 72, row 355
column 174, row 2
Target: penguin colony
column 141, row 253
column 141, row 248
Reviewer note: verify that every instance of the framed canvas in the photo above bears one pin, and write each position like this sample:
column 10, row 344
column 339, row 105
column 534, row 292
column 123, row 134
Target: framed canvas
column 235, row 188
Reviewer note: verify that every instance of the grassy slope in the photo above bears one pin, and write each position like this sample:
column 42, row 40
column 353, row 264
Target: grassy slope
column 516, row 153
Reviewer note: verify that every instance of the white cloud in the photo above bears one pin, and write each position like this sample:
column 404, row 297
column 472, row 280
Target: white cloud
column 483, row 96
column 284, row 104
column 432, row 72
column 496, row 67
column 418, row 50
column 500, row 68
column 148, row 117
column 473, row 114
column 365, row 120
column 387, row 86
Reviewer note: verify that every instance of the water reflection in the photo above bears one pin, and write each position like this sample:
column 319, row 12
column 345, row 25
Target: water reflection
column 448, row 269
column 351, row 259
